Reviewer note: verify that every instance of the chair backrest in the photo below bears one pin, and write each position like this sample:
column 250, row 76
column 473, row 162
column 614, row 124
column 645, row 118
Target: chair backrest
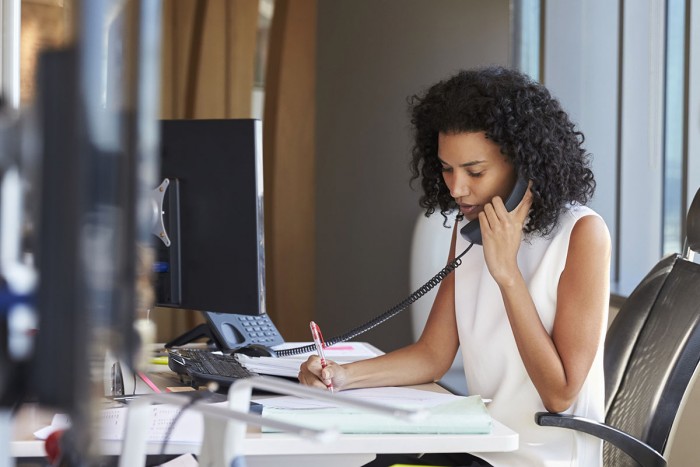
column 652, row 350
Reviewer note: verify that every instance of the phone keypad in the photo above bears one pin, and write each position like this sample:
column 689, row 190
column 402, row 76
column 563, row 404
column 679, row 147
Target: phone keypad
column 260, row 329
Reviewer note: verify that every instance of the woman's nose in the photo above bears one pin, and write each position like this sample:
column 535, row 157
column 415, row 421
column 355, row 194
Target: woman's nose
column 460, row 187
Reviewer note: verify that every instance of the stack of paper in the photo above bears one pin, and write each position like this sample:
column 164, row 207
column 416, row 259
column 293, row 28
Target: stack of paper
column 287, row 367
column 345, row 352
column 166, row 420
column 449, row 414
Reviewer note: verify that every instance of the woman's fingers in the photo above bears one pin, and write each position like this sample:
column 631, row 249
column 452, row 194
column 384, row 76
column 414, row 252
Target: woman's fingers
column 312, row 374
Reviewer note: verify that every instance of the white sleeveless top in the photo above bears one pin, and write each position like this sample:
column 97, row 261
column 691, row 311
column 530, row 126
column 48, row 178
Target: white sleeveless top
column 493, row 366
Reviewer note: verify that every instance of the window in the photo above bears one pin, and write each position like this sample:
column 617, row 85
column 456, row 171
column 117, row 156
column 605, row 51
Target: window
column 628, row 72
column 674, row 127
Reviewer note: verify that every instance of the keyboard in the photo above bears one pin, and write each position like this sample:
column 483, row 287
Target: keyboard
column 202, row 366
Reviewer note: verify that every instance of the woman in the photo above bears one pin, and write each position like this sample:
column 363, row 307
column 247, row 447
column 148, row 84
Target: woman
column 529, row 308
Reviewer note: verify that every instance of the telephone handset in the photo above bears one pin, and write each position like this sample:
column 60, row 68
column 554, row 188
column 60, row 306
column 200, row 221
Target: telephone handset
column 472, row 231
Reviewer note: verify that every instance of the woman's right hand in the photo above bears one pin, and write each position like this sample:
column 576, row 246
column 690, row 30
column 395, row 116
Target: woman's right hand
column 311, row 374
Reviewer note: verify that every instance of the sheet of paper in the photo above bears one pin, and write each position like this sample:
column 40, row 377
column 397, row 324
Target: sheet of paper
column 447, row 414
column 288, row 367
column 58, row 422
column 187, row 426
column 393, row 396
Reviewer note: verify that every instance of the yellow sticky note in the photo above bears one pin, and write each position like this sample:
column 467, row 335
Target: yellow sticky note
column 162, row 360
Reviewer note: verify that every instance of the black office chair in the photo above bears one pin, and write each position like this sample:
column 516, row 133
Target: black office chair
column 652, row 352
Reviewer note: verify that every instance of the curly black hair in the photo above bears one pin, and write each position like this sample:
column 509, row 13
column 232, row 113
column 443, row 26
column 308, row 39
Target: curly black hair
column 522, row 117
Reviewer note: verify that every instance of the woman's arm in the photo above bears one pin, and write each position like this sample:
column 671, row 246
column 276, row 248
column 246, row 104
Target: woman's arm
column 427, row 360
column 557, row 364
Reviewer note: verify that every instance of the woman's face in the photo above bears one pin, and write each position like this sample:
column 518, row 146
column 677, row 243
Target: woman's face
column 474, row 170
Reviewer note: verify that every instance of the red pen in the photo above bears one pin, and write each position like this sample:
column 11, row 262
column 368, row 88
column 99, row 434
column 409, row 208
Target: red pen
column 318, row 341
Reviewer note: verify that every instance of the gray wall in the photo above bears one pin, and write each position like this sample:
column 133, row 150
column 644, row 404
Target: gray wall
column 372, row 55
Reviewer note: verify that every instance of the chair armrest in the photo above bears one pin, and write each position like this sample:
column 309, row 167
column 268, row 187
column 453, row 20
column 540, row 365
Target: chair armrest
column 641, row 452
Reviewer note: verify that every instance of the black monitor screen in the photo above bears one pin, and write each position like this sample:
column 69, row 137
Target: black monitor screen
column 213, row 217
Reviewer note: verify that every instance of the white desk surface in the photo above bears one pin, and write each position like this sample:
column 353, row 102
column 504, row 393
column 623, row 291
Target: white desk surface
column 264, row 449
column 501, row 438
column 269, row 445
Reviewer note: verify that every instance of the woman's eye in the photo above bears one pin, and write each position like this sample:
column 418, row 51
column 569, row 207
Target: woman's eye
column 445, row 169
column 475, row 174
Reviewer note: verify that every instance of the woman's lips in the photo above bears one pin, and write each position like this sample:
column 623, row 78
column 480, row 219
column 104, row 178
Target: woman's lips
column 469, row 209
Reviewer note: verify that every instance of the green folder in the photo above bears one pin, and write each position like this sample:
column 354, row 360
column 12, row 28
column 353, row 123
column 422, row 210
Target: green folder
column 467, row 415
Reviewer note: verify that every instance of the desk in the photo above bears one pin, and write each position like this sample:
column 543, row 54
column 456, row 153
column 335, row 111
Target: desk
column 265, row 449
column 271, row 449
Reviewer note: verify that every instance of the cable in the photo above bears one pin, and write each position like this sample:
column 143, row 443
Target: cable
column 390, row 313
column 196, row 397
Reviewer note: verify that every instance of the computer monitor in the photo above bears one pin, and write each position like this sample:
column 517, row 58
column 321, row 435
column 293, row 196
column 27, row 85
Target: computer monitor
column 210, row 246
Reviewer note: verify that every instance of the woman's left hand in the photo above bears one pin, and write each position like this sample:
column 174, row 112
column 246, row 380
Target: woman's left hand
column 502, row 233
